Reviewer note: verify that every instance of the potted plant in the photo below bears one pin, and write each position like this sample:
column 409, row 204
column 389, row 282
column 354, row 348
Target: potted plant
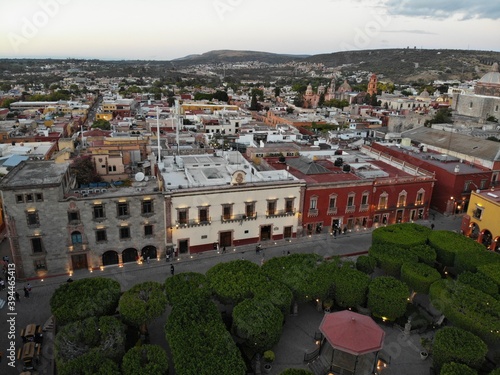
column 268, row 360
column 426, row 345
column 327, row 305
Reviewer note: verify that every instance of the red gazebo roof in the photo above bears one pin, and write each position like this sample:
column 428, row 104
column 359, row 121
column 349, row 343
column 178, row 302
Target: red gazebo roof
column 352, row 333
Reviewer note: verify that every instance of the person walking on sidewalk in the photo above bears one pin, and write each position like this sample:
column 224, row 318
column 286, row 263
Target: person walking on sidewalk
column 172, row 270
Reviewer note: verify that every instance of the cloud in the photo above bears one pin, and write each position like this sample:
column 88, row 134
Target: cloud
column 423, row 32
column 465, row 9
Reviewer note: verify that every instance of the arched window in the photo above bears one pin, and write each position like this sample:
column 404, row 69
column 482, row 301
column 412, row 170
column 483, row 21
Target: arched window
column 76, row 237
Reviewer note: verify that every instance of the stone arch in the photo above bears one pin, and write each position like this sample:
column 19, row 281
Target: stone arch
column 149, row 251
column 474, row 231
column 130, row 255
column 110, row 257
column 495, row 245
column 486, row 238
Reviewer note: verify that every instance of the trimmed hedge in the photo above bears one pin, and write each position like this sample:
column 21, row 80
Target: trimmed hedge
column 90, row 363
column 192, row 284
column 480, row 282
column 391, row 257
column 405, row 235
column 296, row 371
column 145, row 360
column 453, row 368
column 387, row 297
column 471, row 258
column 366, row 264
column 452, row 344
column 447, row 244
column 351, row 287
column 85, row 298
column 419, row 276
column 199, row 340
column 425, row 253
column 278, row 293
column 258, row 322
column 468, row 308
column 492, row 271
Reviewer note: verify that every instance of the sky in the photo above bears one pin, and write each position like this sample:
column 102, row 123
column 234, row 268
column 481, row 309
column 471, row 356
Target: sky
column 170, row 29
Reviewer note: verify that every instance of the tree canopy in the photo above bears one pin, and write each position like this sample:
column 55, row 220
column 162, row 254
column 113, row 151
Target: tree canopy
column 145, row 360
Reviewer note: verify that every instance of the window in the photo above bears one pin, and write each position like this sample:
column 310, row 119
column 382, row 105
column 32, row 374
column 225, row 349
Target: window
column 40, row 264
column 470, row 105
column 227, row 211
column 19, row 198
column 147, row 207
column 350, row 200
column 313, row 203
column 332, row 202
column 402, row 199
column 364, row 199
column 271, row 207
column 203, row 214
column 478, row 213
column 100, row 235
column 73, row 216
column 36, row 245
column 32, row 218
column 99, row 211
column 182, row 216
column 124, row 232
column 289, row 205
column 382, row 201
column 420, row 198
column 76, row 237
column 29, row 197
column 467, row 185
column 483, row 184
column 250, row 209
column 122, row 209
column 148, row 230
column 39, row 197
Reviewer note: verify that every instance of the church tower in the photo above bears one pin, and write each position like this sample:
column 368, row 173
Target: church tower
column 372, row 85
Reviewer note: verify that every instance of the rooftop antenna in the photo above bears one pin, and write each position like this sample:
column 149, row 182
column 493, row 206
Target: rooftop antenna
column 177, row 124
column 158, row 133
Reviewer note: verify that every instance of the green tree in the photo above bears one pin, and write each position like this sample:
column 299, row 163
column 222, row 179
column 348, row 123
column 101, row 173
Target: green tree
column 321, row 100
column 258, row 322
column 84, row 170
column 296, row 371
column 142, row 303
column 187, row 285
column 85, row 298
column 254, row 104
column 366, row 264
column 387, row 297
column 419, row 276
column 91, row 363
column 351, row 287
column 442, row 116
column 101, row 124
column 452, row 344
column 277, row 91
column 453, row 368
column 145, row 360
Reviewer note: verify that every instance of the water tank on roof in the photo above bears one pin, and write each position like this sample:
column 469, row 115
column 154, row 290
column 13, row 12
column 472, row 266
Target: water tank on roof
column 338, row 162
column 457, row 169
column 346, row 168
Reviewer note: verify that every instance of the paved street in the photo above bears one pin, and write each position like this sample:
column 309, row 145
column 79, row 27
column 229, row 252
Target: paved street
column 35, row 309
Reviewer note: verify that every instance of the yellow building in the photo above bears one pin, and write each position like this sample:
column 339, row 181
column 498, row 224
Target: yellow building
column 482, row 220
column 208, row 107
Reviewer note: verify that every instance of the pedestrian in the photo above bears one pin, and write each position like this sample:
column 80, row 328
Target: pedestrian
column 172, row 270
column 223, row 250
column 28, row 286
column 147, row 259
column 26, row 293
column 167, row 258
column 433, row 216
column 432, row 226
column 288, row 252
column 2, row 284
column 258, row 248
column 18, row 297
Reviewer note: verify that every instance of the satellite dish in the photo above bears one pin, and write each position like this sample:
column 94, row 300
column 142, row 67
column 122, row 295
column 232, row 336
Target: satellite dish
column 139, row 176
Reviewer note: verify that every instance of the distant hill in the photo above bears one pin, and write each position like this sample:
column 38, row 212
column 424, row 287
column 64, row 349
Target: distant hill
column 233, row 56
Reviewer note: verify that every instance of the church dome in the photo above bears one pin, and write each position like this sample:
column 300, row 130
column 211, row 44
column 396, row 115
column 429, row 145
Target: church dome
column 492, row 77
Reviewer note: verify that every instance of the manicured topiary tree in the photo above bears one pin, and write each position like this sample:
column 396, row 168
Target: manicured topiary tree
column 91, row 363
column 187, row 284
column 495, row 372
column 85, row 298
column 366, row 264
column 232, row 282
column 276, row 292
column 351, row 287
column 419, row 276
column 145, row 360
column 453, row 368
column 447, row 244
column 405, row 235
column 391, row 257
column 142, row 303
column 480, row 281
column 452, row 344
column 105, row 334
column 474, row 256
column 468, row 308
column 492, row 271
column 258, row 322
column 298, row 272
column 387, row 297
column 425, row 254
column 199, row 340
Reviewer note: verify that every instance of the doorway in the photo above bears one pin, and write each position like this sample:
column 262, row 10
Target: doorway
column 225, row 239
column 79, row 261
column 265, row 232
column 183, row 246
column 287, row 232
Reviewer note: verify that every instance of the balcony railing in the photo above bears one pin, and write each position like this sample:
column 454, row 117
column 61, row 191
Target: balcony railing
column 312, row 212
column 364, row 207
column 332, row 211
column 350, row 209
column 239, row 217
column 192, row 223
column 280, row 213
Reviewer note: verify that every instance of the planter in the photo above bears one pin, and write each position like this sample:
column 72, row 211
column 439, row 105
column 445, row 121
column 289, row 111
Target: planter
column 267, row 368
column 423, row 355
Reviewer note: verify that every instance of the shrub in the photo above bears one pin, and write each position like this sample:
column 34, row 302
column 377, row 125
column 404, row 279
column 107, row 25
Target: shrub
column 269, row 356
column 366, row 264
column 467, row 308
column 91, row 363
column 351, row 287
column 145, row 360
column 390, row 258
column 259, row 322
column 492, row 271
column 387, row 297
column 419, row 276
column 480, row 282
column 85, row 298
column 277, row 293
column 193, row 284
column 474, row 256
column 453, row 368
column 406, row 235
column 452, row 344
column 447, row 244
column 425, row 254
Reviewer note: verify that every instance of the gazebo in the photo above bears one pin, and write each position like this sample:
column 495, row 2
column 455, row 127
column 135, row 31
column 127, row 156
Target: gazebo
column 351, row 336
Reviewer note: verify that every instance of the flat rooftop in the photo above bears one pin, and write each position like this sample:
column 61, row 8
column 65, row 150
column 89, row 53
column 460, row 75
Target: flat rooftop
column 35, row 173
